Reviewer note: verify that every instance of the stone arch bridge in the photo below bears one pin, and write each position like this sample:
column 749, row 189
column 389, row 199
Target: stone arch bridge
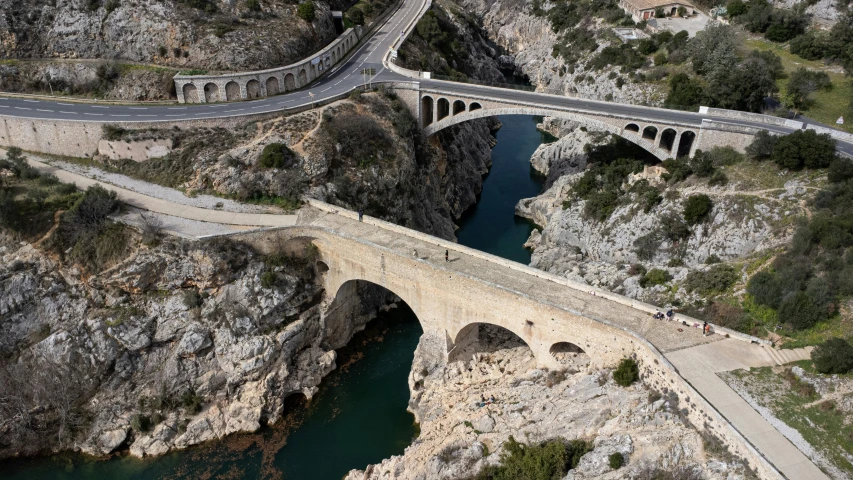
column 450, row 299
column 663, row 133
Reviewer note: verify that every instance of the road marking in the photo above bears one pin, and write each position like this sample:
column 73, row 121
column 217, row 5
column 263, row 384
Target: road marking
column 339, row 81
column 31, row 101
column 146, row 115
column 40, row 110
column 258, row 106
column 178, row 115
column 138, row 108
column 22, row 108
column 177, row 108
column 207, row 113
column 4, row 106
column 286, row 101
column 238, row 110
column 94, row 114
column 69, row 113
column 119, row 115
column 321, row 91
column 66, row 104
column 99, row 106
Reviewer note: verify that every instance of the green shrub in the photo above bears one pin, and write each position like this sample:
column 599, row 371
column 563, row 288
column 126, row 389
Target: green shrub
column 253, row 5
column 697, row 208
column 835, row 355
column 804, row 148
column 626, row 373
column 616, row 460
column 673, row 228
column 800, row 311
column 275, row 155
column 113, row 132
column 356, row 15
column 140, row 423
column 268, row 279
column 762, row 146
column 191, row 402
column 715, row 280
column 548, row 460
column 735, row 8
column 306, row 11
column 654, row 277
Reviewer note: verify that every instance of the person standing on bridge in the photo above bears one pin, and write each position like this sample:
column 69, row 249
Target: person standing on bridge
column 360, row 215
column 446, row 256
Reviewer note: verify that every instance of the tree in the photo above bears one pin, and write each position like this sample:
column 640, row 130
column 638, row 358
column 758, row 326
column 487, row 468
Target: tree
column 803, row 84
column 714, row 48
column 786, row 24
column 835, row 355
column 810, row 45
column 800, row 311
column 804, row 148
column 253, row 5
column 743, row 87
column 772, row 61
column 697, row 208
column 647, row 46
column 659, row 13
column 736, row 8
column 356, row 15
column 306, row 11
column 684, row 92
column 840, row 170
column 762, row 146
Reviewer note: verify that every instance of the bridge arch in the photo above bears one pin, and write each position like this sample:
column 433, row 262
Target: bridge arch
column 427, row 106
column 232, row 91
column 667, row 139
column 650, row 132
column 458, row 107
column 253, row 89
column 190, row 93
column 482, row 337
column 334, row 56
column 474, row 106
column 685, row 143
column 632, row 127
column 303, row 78
column 443, row 108
column 211, row 93
column 272, row 86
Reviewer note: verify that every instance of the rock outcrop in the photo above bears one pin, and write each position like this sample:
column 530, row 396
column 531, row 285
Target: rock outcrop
column 467, row 410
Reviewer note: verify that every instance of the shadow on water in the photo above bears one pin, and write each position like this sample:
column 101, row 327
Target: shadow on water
column 358, row 417
column 491, row 225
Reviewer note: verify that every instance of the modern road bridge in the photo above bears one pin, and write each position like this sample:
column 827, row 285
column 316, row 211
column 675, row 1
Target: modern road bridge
column 74, row 128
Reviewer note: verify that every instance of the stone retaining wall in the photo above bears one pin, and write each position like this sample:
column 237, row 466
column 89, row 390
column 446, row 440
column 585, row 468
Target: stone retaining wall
column 264, row 83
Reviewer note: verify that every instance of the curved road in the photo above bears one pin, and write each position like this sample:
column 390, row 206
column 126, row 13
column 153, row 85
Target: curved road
column 343, row 79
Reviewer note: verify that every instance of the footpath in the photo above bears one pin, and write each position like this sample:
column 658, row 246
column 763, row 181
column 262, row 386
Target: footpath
column 699, row 366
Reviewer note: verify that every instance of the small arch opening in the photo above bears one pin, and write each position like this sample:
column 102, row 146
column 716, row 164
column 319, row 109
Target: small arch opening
column 232, row 91
column 686, row 143
column 443, row 108
column 570, row 355
column 190, row 93
column 632, row 127
column 485, row 338
column 253, row 89
column 211, row 93
column 322, row 267
column 667, row 138
column 650, row 132
column 474, row 106
column 303, row 78
column 426, row 110
column 272, row 86
column 458, row 107
column 289, row 82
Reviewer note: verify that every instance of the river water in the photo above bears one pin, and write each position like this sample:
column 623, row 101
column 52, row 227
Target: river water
column 359, row 415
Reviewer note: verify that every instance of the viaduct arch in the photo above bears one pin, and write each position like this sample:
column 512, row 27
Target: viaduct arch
column 438, row 110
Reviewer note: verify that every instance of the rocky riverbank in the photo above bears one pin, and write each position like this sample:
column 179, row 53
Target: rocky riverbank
column 463, row 429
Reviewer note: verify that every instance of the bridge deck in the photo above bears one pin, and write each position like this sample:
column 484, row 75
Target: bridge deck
column 662, row 334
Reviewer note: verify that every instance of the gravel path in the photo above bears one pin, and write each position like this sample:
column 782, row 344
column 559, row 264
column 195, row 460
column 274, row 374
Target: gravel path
column 178, row 226
column 158, row 191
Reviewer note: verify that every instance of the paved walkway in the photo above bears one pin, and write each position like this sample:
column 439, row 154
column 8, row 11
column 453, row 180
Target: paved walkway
column 699, row 366
column 158, row 205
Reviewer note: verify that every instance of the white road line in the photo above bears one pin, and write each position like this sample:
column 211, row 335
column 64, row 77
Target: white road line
column 177, row 108
column 119, row 115
column 178, row 115
column 99, row 106
column 22, row 108
column 138, row 108
column 339, row 81
column 31, row 101
column 40, row 110
column 146, row 115
column 258, row 106
column 69, row 113
column 208, row 113
column 238, row 110
column 65, row 104
column 321, row 91
column 4, row 106
column 94, row 114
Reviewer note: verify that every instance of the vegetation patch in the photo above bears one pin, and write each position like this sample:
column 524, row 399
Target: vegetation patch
column 545, row 461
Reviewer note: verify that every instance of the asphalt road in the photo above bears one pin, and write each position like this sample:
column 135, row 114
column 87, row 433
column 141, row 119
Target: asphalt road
column 343, row 79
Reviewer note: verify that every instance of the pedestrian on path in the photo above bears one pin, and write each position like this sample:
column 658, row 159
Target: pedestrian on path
column 360, row 215
column 447, row 256
column 705, row 329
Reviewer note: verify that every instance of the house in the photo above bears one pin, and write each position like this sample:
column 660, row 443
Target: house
column 645, row 9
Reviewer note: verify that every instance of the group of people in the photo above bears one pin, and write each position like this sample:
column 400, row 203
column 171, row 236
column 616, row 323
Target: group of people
column 660, row 315
column 483, row 402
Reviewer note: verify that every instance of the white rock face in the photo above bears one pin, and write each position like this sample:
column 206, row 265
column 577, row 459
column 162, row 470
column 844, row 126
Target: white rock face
column 461, row 434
